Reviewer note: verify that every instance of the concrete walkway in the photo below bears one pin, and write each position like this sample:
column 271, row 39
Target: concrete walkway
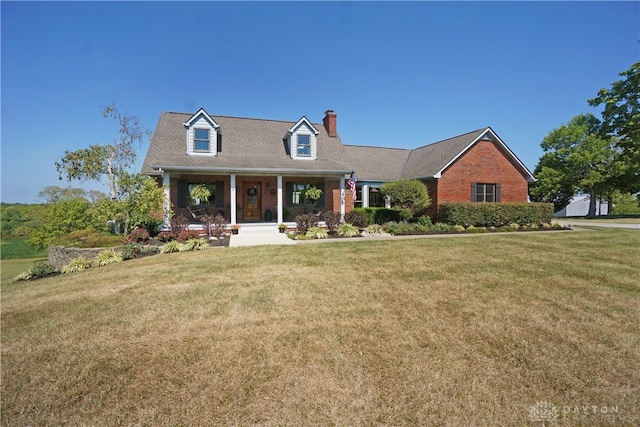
column 259, row 234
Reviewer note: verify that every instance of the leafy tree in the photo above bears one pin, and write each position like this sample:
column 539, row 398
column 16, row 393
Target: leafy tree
column 20, row 220
column 624, row 204
column 111, row 160
column 55, row 194
column 621, row 120
column 139, row 202
column 576, row 159
column 407, row 194
column 59, row 219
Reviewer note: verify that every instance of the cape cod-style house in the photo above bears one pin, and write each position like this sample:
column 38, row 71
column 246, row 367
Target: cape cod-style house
column 257, row 170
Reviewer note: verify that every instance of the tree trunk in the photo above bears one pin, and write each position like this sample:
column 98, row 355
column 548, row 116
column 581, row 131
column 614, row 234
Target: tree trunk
column 112, row 180
column 592, row 204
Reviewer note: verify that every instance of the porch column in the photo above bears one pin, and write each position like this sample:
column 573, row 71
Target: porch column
column 365, row 196
column 234, row 219
column 166, row 206
column 280, row 204
column 342, row 203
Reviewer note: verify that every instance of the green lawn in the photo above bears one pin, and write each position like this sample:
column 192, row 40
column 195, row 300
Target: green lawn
column 18, row 248
column 17, row 256
column 470, row 330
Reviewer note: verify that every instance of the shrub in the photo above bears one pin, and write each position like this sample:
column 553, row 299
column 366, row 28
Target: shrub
column 179, row 223
column 317, row 233
column 25, row 275
column 495, row 214
column 194, row 245
column 165, row 236
column 76, row 264
column 149, row 250
column 374, row 229
column 458, row 228
column 441, row 227
column 215, row 225
column 305, row 221
column 42, row 269
column 139, row 235
column 348, row 230
column 170, row 247
column 332, row 219
column 408, row 194
column 131, row 250
column 188, row 235
column 106, row 257
column 88, row 238
column 356, row 219
column 379, row 215
column 423, row 220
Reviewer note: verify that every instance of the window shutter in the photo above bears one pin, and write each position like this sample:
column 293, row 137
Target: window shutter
column 220, row 194
column 182, row 193
column 498, row 193
column 320, row 203
column 288, row 194
column 474, row 192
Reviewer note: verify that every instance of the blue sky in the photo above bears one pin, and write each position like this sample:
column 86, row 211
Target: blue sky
column 397, row 74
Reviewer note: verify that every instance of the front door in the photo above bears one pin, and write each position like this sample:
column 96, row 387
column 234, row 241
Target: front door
column 251, row 201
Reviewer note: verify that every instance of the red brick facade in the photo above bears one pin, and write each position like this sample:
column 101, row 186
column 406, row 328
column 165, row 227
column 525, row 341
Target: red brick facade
column 484, row 163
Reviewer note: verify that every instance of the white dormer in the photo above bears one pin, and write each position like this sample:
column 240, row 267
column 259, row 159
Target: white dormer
column 202, row 134
column 302, row 140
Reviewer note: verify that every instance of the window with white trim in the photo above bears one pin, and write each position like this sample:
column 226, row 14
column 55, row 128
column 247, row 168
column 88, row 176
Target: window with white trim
column 201, row 140
column 304, row 145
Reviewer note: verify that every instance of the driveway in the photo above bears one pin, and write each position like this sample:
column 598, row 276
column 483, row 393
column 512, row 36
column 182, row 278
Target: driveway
column 582, row 223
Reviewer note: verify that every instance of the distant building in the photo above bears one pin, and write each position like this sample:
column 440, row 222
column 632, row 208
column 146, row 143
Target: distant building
column 579, row 206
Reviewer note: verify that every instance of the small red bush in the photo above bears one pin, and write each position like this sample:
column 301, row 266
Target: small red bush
column 185, row 235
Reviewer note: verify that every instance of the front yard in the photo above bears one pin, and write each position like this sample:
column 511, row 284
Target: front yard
column 477, row 330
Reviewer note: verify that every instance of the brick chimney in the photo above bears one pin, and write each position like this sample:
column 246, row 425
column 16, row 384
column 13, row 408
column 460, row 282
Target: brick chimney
column 330, row 123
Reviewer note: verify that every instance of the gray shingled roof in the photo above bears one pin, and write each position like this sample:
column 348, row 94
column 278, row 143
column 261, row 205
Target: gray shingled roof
column 253, row 145
column 376, row 163
column 430, row 159
column 247, row 145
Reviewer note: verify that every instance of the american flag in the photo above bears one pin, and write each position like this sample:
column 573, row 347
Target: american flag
column 351, row 183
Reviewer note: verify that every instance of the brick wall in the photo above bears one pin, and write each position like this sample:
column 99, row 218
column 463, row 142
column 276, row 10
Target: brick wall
column 483, row 163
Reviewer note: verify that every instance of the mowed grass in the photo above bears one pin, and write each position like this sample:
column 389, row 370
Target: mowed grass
column 471, row 330
column 17, row 256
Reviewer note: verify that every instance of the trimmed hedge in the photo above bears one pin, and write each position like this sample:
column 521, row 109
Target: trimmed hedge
column 495, row 214
column 380, row 215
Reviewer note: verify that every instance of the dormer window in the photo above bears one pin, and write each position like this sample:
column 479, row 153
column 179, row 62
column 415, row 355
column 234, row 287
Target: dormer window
column 202, row 134
column 201, row 140
column 304, row 145
column 302, row 139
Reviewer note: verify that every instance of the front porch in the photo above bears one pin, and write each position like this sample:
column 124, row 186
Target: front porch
column 248, row 199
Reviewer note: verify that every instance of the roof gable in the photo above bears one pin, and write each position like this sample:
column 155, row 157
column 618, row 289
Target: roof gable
column 303, row 122
column 487, row 135
column 201, row 114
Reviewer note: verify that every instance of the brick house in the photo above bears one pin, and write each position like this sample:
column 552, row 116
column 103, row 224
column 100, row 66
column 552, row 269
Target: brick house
column 257, row 170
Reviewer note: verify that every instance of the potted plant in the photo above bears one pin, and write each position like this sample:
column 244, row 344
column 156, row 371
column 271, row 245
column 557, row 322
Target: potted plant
column 200, row 192
column 313, row 193
column 282, row 227
column 235, row 228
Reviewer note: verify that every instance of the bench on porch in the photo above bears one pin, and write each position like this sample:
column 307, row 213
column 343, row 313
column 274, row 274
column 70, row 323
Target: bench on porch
column 198, row 211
